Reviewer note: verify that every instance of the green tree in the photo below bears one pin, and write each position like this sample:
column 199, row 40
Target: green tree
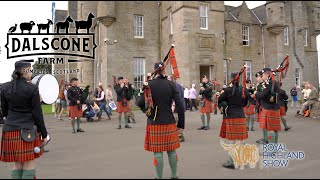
column 41, row 69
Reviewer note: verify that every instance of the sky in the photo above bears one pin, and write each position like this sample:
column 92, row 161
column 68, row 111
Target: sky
column 13, row 12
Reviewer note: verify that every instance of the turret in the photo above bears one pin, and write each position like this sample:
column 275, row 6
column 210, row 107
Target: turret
column 275, row 16
column 106, row 12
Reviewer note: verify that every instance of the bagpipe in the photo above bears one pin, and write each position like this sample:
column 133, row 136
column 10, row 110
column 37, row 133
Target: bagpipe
column 223, row 105
column 282, row 69
column 144, row 96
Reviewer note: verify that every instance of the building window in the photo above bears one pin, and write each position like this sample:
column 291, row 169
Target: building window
column 225, row 71
column 286, row 35
column 139, row 72
column 306, row 37
column 204, row 17
column 223, row 37
column 298, row 76
column 171, row 22
column 248, row 70
column 138, row 26
column 245, row 35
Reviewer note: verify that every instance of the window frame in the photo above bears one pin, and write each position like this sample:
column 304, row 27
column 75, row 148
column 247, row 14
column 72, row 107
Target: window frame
column 306, row 37
column 250, row 71
column 245, row 35
column 297, row 78
column 139, row 72
column 286, row 35
column 136, row 33
column 206, row 16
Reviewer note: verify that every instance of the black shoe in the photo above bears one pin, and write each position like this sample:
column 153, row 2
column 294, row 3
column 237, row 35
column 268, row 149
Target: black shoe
column 74, row 131
column 127, row 126
column 206, row 128
column 119, row 127
column 202, row 128
column 287, row 128
column 80, row 130
column 228, row 165
column 252, row 129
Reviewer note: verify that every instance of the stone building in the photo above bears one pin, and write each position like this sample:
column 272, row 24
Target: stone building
column 132, row 35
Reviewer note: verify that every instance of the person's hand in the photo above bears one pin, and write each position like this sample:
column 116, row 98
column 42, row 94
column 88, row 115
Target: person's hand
column 253, row 95
column 202, row 88
column 46, row 140
column 132, row 86
column 78, row 102
column 122, row 85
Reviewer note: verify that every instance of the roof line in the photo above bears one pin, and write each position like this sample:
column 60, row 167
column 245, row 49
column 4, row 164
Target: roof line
column 256, row 16
column 233, row 16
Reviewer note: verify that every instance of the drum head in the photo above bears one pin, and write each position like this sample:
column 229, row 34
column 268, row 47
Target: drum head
column 48, row 88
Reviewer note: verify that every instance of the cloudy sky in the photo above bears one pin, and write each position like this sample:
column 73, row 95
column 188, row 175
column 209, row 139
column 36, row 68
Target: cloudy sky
column 12, row 12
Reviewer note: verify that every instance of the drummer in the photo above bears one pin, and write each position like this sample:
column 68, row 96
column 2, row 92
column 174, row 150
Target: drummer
column 20, row 104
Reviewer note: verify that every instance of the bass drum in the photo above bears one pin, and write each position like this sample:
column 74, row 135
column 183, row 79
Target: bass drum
column 48, row 87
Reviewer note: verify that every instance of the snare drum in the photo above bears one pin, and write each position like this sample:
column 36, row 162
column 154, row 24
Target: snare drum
column 48, row 87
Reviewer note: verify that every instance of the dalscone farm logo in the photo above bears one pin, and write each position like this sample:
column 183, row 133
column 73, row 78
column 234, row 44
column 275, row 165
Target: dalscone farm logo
column 52, row 48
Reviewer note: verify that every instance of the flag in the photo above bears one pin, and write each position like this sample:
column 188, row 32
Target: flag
column 174, row 65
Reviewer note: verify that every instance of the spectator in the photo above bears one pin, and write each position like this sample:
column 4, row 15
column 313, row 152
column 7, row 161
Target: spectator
column 109, row 98
column 186, row 97
column 312, row 98
column 192, row 97
column 294, row 95
column 306, row 92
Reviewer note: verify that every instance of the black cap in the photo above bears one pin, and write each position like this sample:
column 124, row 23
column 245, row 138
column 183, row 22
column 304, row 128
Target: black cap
column 119, row 78
column 266, row 70
column 21, row 64
column 157, row 65
column 258, row 74
column 73, row 79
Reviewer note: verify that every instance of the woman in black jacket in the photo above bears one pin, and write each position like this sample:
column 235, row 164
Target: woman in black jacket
column 20, row 104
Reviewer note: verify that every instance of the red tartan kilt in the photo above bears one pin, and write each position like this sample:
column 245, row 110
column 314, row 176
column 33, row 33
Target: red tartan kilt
column 75, row 112
column 234, row 129
column 207, row 108
column 14, row 149
column 121, row 109
column 159, row 138
column 270, row 120
column 249, row 111
column 283, row 111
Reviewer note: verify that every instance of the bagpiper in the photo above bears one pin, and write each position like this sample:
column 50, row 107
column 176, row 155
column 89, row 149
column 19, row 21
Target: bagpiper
column 249, row 108
column 205, row 96
column 270, row 113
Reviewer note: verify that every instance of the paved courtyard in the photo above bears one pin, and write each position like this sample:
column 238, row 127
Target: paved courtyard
column 106, row 152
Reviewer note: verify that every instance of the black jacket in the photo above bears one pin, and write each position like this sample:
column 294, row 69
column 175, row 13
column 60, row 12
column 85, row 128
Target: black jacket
column 251, row 100
column 207, row 93
column 122, row 93
column 235, row 102
column 163, row 91
column 282, row 97
column 23, row 109
column 74, row 94
column 265, row 95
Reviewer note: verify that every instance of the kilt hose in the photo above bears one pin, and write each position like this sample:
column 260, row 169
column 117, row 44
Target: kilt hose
column 75, row 112
column 270, row 119
column 249, row 111
column 159, row 138
column 207, row 108
column 14, row 149
column 234, row 129
column 283, row 111
column 121, row 108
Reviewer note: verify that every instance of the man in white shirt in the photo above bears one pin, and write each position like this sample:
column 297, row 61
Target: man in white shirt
column 186, row 97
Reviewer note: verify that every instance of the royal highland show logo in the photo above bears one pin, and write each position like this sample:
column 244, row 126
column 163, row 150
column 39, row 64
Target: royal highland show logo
column 22, row 42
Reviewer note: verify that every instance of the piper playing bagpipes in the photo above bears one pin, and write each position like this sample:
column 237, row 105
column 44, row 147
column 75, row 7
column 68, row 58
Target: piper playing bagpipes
column 249, row 108
column 233, row 126
column 205, row 96
column 258, row 107
column 162, row 130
